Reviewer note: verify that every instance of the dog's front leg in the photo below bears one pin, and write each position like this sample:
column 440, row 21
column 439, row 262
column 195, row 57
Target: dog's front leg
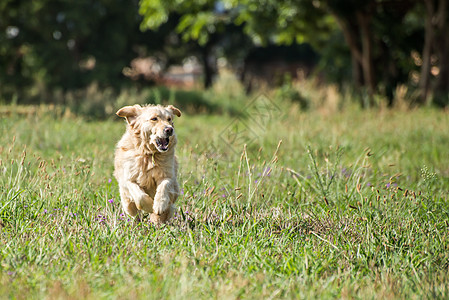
column 142, row 200
column 166, row 194
column 162, row 197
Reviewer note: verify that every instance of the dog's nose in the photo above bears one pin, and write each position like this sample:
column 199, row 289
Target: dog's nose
column 168, row 131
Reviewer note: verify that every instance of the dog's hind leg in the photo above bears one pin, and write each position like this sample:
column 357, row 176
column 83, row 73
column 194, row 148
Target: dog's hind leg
column 129, row 207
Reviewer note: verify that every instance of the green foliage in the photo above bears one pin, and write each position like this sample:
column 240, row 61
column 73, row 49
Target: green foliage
column 288, row 92
column 280, row 22
column 48, row 46
column 52, row 47
column 283, row 22
column 196, row 22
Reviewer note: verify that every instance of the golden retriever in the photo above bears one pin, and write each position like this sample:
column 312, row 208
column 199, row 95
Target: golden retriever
column 145, row 162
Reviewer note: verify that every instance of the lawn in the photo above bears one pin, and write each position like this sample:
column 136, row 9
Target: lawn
column 276, row 203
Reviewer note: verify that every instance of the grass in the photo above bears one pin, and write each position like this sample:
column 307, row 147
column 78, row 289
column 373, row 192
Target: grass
column 351, row 204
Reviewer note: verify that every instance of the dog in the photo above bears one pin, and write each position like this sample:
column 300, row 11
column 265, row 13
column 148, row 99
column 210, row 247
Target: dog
column 145, row 164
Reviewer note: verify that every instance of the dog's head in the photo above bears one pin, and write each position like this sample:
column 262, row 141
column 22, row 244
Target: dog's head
column 153, row 124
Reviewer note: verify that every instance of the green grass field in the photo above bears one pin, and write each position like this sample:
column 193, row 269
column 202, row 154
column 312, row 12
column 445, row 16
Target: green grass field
column 352, row 204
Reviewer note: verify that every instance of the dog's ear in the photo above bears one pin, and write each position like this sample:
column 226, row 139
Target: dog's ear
column 130, row 113
column 174, row 110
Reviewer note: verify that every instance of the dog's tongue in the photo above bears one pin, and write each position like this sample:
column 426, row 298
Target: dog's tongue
column 164, row 142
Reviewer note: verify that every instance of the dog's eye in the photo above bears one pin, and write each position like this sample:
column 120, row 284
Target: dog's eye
column 154, row 119
column 169, row 119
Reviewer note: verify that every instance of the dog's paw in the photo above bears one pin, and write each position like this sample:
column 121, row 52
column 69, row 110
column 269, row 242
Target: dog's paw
column 159, row 219
column 130, row 208
column 145, row 203
column 161, row 206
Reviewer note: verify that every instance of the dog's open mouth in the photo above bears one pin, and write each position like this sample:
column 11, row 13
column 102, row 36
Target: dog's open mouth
column 162, row 144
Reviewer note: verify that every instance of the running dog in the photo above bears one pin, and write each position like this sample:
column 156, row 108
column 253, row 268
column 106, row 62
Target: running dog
column 145, row 162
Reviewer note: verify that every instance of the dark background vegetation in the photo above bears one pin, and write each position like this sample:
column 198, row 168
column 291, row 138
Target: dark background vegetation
column 50, row 48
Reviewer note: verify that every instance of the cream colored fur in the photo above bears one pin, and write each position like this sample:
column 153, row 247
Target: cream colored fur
column 145, row 162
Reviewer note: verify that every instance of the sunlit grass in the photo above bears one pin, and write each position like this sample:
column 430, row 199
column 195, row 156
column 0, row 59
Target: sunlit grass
column 349, row 204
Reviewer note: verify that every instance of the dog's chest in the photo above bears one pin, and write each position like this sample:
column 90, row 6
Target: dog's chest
column 150, row 174
column 146, row 179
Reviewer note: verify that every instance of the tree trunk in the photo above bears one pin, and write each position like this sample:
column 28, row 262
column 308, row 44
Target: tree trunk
column 367, row 56
column 357, row 75
column 390, row 72
column 441, row 91
column 209, row 65
column 351, row 35
column 424, row 79
column 361, row 56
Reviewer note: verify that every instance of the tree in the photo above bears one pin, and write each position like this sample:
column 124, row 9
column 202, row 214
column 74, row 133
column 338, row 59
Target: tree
column 285, row 22
column 49, row 44
column 197, row 22
column 376, row 35
column 265, row 22
column 437, row 44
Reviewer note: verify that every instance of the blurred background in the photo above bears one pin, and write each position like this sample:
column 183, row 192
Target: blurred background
column 95, row 55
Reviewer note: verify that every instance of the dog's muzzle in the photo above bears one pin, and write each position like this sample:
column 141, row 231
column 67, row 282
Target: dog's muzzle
column 162, row 144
